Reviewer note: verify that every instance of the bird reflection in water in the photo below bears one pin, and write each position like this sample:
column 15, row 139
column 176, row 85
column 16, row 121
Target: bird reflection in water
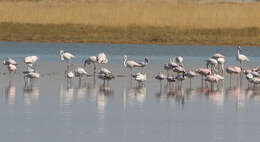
column 66, row 95
column 238, row 95
column 253, row 93
column 176, row 96
column 134, row 95
column 31, row 93
column 10, row 91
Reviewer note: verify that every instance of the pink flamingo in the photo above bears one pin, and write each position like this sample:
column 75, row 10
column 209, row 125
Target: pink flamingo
column 203, row 72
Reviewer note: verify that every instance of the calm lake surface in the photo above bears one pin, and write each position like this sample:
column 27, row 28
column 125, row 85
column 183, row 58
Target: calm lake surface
column 49, row 110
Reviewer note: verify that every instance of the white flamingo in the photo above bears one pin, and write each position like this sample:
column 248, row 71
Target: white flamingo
column 30, row 61
column 66, row 56
column 160, row 77
column 8, row 61
column 190, row 75
column 130, row 64
column 102, row 58
column 104, row 71
column 212, row 63
column 179, row 60
column 241, row 58
column 91, row 60
column 140, row 77
column 170, row 65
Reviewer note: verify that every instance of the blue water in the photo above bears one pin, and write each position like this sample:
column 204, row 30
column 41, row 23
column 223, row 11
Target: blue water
column 51, row 111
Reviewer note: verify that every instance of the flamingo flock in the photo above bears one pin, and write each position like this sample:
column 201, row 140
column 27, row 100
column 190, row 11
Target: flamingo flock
column 212, row 73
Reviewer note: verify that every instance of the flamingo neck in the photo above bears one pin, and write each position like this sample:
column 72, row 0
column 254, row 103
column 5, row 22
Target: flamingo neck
column 238, row 52
column 125, row 62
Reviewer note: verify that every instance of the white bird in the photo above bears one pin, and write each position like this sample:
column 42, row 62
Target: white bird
column 32, row 75
column 30, row 61
column 190, row 75
column 180, row 78
column 104, row 71
column 160, row 77
column 241, row 58
column 170, row 65
column 179, row 60
column 93, row 60
column 218, row 55
column 130, row 64
column 221, row 62
column 8, row 61
column 140, row 77
column 79, row 72
column 66, row 56
column 102, row 58
column 212, row 63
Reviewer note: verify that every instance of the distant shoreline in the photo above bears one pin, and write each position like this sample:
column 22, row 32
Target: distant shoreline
column 128, row 35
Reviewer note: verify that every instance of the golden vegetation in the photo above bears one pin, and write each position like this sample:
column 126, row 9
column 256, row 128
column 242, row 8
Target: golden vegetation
column 124, row 13
column 135, row 21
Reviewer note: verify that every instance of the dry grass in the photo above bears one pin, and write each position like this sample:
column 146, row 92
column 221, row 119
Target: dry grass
column 124, row 13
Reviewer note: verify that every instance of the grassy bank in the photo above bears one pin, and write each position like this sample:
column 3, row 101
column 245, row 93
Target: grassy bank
column 129, row 34
column 131, row 21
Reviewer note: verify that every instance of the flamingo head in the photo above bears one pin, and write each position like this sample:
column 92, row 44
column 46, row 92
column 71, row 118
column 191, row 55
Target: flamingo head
column 239, row 48
column 146, row 60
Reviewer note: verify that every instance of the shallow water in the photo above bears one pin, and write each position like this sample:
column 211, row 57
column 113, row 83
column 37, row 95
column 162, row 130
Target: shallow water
column 50, row 110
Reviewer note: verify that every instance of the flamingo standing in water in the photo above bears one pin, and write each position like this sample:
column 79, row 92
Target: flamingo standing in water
column 91, row 60
column 203, row 72
column 8, row 61
column 190, row 75
column 140, row 78
column 131, row 64
column 160, row 77
column 179, row 61
column 30, row 61
column 241, row 58
column 170, row 65
column 100, row 58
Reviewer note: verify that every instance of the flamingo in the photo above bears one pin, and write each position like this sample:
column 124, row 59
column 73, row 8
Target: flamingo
column 30, row 61
column 104, row 71
column 249, row 78
column 179, row 60
column 31, row 75
column 102, row 58
column 93, row 60
column 212, row 79
column 66, row 56
column 79, row 72
column 170, row 65
column 180, row 78
column 236, row 70
column 241, row 58
column 160, row 77
column 218, row 55
column 140, row 77
column 203, row 72
column 179, row 69
column 8, row 61
column 221, row 62
column 212, row 63
column 130, row 64
column 190, row 75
